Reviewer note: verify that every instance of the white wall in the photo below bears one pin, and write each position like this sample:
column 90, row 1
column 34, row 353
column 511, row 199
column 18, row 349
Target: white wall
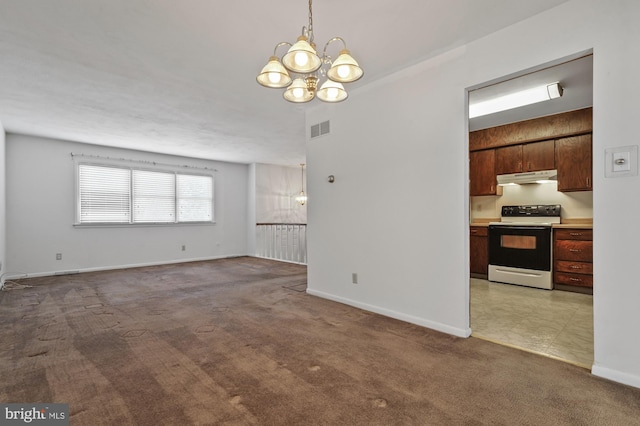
column 276, row 190
column 272, row 194
column 3, row 204
column 398, row 212
column 40, row 214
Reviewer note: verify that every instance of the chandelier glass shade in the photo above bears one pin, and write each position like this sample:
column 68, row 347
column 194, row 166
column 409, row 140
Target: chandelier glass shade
column 302, row 198
column 298, row 91
column 332, row 91
column 310, row 70
column 345, row 69
column 274, row 74
column 302, row 57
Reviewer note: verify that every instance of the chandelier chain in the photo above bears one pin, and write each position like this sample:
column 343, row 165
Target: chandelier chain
column 310, row 21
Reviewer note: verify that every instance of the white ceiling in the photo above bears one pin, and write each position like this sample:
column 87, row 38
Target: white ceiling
column 178, row 77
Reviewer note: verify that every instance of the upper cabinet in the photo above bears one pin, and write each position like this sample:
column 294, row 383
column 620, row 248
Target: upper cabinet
column 538, row 129
column 528, row 157
column 560, row 141
column 574, row 163
column 538, row 156
column 482, row 176
column 508, row 159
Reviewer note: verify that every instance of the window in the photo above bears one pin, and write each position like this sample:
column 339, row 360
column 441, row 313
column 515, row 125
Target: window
column 154, row 197
column 104, row 194
column 194, row 198
column 108, row 194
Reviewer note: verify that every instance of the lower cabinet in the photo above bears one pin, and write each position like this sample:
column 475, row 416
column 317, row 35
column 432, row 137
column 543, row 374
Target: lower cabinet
column 479, row 251
column 573, row 258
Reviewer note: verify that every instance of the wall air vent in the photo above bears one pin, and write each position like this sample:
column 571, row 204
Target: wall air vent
column 320, row 129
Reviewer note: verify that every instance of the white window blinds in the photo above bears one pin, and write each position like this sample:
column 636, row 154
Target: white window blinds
column 195, row 194
column 104, row 194
column 121, row 195
column 154, row 197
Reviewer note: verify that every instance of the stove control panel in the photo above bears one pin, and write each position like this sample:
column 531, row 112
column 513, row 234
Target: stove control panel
column 551, row 210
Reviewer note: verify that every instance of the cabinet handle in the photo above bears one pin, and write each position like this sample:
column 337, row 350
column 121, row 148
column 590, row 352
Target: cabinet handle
column 575, row 267
column 575, row 250
column 588, row 185
column 575, row 234
column 575, row 279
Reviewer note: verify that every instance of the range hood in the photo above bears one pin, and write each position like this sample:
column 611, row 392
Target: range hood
column 528, row 177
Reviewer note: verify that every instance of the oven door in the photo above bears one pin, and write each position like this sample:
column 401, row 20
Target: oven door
column 520, row 246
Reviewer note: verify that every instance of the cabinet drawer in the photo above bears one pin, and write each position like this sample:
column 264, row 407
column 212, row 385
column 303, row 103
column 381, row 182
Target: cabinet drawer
column 574, row 234
column 573, row 279
column 574, row 267
column 479, row 231
column 582, row 251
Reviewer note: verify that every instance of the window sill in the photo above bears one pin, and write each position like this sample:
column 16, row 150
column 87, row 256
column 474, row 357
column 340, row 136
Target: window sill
column 139, row 225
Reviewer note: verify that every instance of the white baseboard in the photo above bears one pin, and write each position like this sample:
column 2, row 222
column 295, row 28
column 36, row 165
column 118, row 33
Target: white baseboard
column 459, row 332
column 115, row 267
column 615, row 375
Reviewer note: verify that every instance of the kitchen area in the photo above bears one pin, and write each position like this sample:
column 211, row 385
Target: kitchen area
column 531, row 216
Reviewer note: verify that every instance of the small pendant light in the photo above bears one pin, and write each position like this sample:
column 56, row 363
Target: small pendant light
column 302, row 197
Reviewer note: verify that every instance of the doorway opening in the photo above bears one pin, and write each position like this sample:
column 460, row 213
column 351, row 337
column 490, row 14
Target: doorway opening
column 559, row 322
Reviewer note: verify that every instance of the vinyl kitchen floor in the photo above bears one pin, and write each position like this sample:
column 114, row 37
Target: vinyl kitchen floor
column 554, row 323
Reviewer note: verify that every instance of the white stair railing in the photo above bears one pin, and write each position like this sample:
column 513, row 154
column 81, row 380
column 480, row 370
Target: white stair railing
column 282, row 241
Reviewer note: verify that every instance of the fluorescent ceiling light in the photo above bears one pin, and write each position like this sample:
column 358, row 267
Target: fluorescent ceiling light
column 514, row 100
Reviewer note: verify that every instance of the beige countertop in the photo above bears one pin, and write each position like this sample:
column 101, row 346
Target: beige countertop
column 484, row 221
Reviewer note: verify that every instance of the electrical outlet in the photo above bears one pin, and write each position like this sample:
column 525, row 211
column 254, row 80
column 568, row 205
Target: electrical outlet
column 58, row 256
column 354, row 278
column 184, row 247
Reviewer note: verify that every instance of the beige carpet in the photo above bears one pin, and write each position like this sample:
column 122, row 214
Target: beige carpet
column 238, row 341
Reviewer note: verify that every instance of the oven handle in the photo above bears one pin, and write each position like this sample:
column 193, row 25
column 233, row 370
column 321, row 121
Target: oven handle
column 523, row 227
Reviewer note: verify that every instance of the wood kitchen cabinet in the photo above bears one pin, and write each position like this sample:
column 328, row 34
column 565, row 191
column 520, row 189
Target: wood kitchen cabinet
column 482, row 174
column 528, row 157
column 479, row 251
column 538, row 156
column 573, row 157
column 546, row 128
column 573, row 258
column 509, row 159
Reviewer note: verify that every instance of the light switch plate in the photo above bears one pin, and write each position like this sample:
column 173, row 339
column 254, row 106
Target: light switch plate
column 621, row 161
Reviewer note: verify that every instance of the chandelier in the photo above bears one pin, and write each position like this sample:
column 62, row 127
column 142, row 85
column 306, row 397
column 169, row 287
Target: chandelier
column 302, row 69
